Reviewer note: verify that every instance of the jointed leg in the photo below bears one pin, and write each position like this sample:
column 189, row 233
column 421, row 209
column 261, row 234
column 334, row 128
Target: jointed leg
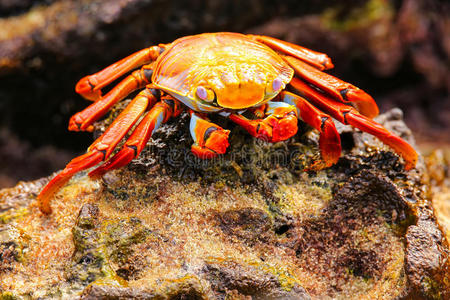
column 319, row 60
column 209, row 138
column 349, row 116
column 84, row 119
column 159, row 114
column 338, row 89
column 279, row 125
column 329, row 141
column 100, row 149
column 90, row 86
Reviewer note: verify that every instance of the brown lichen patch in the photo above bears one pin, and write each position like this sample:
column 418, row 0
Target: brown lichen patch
column 247, row 224
column 354, row 246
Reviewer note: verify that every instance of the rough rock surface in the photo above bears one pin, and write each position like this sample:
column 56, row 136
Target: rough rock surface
column 250, row 224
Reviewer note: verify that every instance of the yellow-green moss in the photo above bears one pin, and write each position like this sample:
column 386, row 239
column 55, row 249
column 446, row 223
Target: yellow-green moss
column 11, row 215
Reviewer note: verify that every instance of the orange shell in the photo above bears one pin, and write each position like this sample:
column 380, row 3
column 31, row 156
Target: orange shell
column 237, row 68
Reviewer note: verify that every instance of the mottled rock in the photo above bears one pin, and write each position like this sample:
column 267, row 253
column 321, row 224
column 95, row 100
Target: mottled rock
column 427, row 259
column 258, row 282
column 249, row 224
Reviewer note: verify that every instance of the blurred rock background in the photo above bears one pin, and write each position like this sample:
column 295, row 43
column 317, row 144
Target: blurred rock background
column 398, row 51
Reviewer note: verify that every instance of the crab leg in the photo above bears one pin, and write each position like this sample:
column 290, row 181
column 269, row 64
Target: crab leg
column 338, row 89
column 84, row 119
column 319, row 60
column 329, row 141
column 209, row 138
column 279, row 125
column 100, row 149
column 159, row 114
column 90, row 86
column 349, row 116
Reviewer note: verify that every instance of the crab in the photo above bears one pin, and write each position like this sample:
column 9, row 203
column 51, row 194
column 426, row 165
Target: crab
column 258, row 82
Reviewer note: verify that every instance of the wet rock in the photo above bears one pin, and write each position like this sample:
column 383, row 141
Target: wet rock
column 250, row 224
column 427, row 259
column 358, row 234
column 187, row 287
column 88, row 217
column 248, row 280
column 101, row 245
column 112, row 292
column 11, row 247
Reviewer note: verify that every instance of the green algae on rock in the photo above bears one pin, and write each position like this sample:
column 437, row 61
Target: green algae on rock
column 250, row 224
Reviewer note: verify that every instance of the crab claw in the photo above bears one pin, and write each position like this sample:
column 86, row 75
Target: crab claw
column 216, row 143
column 276, row 127
column 281, row 129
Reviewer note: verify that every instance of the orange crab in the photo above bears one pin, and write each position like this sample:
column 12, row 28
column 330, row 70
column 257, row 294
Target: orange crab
column 227, row 74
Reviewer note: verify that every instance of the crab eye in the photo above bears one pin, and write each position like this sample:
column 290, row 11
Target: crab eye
column 277, row 84
column 205, row 94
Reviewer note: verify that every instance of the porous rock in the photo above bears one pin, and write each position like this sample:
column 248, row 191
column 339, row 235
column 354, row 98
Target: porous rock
column 249, row 224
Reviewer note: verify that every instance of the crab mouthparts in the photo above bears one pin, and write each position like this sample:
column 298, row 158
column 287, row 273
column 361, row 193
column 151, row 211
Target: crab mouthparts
column 241, row 95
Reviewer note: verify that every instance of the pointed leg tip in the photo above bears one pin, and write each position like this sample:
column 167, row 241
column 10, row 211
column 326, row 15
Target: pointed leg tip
column 409, row 167
column 86, row 89
column 318, row 165
column 45, row 211
column 75, row 123
column 77, row 164
column 327, row 63
column 97, row 173
column 363, row 102
column 48, row 192
column 411, row 163
column 44, row 204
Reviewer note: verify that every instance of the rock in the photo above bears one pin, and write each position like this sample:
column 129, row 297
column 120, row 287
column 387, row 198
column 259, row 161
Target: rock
column 426, row 255
column 251, row 223
column 250, row 280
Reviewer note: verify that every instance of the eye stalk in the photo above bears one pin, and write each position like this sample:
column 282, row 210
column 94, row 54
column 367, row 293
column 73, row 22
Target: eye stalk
column 205, row 94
